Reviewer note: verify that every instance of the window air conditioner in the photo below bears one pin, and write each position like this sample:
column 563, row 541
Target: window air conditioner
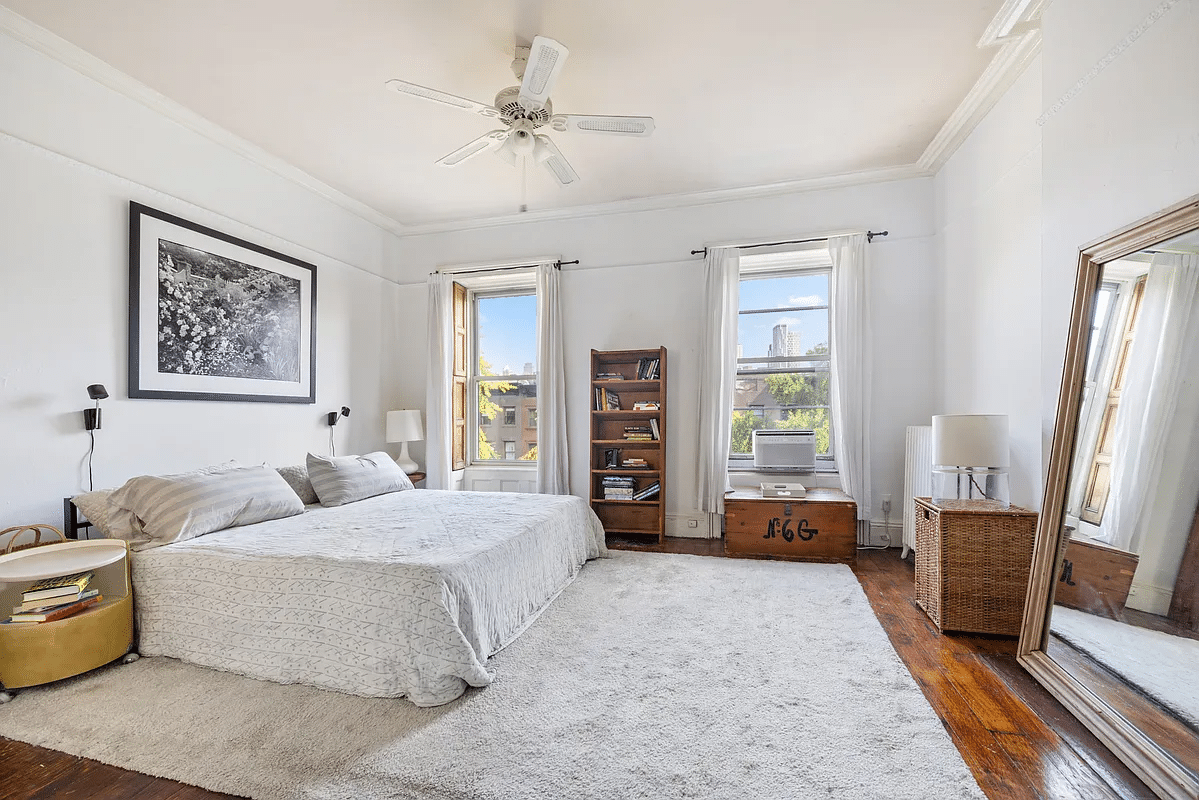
column 784, row 450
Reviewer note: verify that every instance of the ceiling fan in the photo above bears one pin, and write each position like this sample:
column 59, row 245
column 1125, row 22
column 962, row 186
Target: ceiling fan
column 525, row 108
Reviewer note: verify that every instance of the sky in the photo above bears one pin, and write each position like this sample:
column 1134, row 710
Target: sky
column 508, row 332
column 755, row 332
column 508, row 325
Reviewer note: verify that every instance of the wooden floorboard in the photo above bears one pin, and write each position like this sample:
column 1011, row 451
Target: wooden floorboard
column 1018, row 741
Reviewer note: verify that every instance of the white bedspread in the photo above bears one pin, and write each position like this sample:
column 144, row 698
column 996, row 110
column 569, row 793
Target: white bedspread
column 406, row 594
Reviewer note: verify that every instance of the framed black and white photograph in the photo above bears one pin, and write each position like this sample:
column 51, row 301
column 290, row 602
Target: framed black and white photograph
column 214, row 317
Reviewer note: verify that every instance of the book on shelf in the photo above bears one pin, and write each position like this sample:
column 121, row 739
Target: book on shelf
column 639, row 437
column 609, row 376
column 62, row 586
column 653, row 425
column 635, row 463
column 53, row 602
column 611, row 400
column 647, row 369
column 59, row 612
column 646, row 405
column 611, row 458
column 649, row 492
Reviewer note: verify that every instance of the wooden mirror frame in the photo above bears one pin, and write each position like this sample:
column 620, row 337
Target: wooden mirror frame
column 1153, row 765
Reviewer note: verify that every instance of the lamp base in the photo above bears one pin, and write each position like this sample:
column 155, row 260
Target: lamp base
column 986, row 484
column 405, row 461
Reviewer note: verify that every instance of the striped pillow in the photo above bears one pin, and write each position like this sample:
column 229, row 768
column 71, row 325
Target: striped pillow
column 174, row 508
column 344, row 479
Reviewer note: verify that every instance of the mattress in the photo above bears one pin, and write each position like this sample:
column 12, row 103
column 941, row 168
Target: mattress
column 405, row 594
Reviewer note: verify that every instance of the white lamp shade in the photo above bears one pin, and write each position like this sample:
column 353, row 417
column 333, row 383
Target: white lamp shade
column 970, row 440
column 404, row 426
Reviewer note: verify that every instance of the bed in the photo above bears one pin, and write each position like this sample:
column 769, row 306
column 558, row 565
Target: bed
column 404, row 594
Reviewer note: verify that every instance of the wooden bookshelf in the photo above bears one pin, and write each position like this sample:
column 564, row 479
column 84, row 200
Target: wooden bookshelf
column 638, row 521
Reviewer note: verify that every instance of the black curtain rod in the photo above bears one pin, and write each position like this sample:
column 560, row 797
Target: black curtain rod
column 557, row 265
column 869, row 238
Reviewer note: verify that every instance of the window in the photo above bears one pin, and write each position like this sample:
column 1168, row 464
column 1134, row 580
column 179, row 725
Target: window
column 532, row 418
column 783, row 351
column 503, row 334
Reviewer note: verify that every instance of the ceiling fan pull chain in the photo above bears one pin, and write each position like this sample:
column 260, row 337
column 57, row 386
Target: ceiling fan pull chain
column 524, row 184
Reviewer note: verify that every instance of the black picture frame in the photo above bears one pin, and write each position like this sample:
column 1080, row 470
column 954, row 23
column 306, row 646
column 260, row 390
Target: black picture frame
column 214, row 317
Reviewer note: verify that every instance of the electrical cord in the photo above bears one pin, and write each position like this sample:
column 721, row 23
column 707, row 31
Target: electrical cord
column 886, row 532
column 91, row 448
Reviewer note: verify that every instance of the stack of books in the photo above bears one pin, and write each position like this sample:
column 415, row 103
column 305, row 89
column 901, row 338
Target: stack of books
column 618, row 487
column 56, row 598
column 649, row 492
column 609, row 376
column 647, row 369
column 639, row 433
column 646, row 405
column 635, row 463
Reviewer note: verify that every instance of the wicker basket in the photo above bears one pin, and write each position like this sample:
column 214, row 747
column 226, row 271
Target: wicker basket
column 972, row 564
column 14, row 533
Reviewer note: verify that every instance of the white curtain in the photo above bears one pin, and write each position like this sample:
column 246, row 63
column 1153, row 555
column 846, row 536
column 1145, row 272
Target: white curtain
column 553, row 473
column 1162, row 343
column 439, row 419
column 850, row 366
column 717, row 374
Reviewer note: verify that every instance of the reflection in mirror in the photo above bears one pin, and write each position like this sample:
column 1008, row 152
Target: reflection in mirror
column 1126, row 615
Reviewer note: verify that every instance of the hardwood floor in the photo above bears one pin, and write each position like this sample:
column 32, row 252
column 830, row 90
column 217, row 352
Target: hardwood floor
column 1018, row 741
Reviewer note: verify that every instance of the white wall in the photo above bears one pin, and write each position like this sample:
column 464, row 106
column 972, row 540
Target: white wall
column 988, row 206
column 72, row 155
column 1120, row 143
column 637, row 286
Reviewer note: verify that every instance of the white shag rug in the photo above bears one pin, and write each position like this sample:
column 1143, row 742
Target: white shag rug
column 657, row 676
column 1159, row 664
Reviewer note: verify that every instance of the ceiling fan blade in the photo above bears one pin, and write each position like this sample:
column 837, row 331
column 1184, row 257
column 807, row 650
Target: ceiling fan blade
column 549, row 155
column 546, row 58
column 596, row 123
column 425, row 93
column 484, row 144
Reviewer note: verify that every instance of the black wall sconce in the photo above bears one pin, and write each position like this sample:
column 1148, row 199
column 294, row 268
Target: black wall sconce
column 334, row 415
column 91, row 424
column 91, row 416
column 332, row 418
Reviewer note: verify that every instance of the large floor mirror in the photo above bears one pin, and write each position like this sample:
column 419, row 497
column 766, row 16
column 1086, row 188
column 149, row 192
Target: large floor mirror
column 1112, row 622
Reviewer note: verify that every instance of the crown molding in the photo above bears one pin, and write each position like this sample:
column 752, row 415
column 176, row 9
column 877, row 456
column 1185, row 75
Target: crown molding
column 671, row 201
column 997, row 78
column 38, row 38
column 1013, row 20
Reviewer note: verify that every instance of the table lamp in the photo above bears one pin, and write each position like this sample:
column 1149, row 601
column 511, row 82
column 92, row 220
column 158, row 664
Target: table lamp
column 970, row 458
column 404, row 426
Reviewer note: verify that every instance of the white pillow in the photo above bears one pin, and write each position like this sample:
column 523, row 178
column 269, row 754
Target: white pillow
column 343, row 479
column 174, row 508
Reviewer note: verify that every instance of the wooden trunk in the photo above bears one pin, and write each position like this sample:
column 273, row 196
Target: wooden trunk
column 820, row 527
column 1095, row 577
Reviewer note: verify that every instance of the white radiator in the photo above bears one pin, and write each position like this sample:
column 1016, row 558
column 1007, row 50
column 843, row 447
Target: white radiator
column 917, row 478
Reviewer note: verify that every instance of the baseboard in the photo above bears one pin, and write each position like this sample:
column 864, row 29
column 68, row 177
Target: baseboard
column 694, row 525
column 884, row 534
column 1150, row 599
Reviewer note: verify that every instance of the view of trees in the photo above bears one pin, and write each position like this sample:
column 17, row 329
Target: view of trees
column 788, row 391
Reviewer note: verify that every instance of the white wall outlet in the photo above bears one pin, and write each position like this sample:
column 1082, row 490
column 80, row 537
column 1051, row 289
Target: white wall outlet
column 692, row 523
column 886, row 506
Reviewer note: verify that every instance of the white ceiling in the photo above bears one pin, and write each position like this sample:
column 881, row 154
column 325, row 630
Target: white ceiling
column 744, row 93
